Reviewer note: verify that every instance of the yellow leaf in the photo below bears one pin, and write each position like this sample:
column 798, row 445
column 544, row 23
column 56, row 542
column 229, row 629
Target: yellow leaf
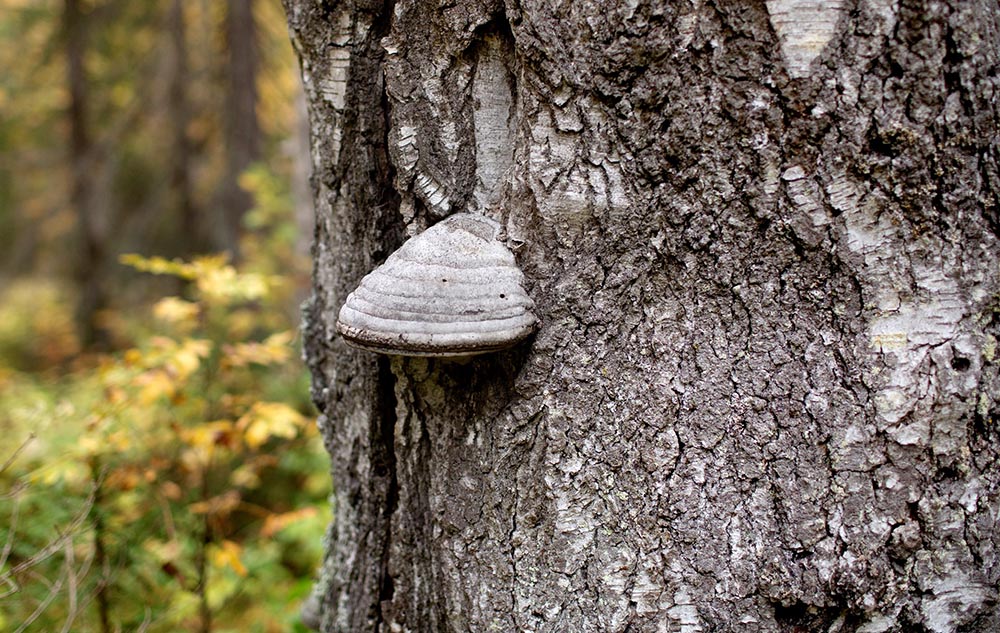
column 277, row 522
column 281, row 339
column 274, row 349
column 158, row 265
column 206, row 263
column 206, row 435
column 153, row 385
column 225, row 285
column 176, row 311
column 217, row 282
column 269, row 419
column 227, row 554
column 187, row 358
column 89, row 445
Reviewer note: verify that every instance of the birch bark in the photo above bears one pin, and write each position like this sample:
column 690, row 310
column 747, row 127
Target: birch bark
column 762, row 239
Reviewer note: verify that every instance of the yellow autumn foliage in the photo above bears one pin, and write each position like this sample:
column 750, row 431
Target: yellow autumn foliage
column 227, row 554
column 266, row 420
column 274, row 349
column 177, row 312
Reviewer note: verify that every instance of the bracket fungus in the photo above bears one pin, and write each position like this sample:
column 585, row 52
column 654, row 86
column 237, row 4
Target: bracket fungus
column 453, row 290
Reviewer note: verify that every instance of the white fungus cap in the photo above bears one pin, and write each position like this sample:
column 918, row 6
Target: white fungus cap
column 453, row 290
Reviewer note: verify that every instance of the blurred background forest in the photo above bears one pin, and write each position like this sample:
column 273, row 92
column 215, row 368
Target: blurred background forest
column 160, row 468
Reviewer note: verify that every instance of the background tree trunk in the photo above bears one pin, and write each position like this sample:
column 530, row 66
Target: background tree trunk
column 242, row 131
column 762, row 239
column 180, row 118
column 83, row 172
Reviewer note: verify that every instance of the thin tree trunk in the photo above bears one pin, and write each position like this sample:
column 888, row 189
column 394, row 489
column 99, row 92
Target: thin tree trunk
column 102, row 598
column 242, row 130
column 93, row 295
column 762, row 240
column 177, row 103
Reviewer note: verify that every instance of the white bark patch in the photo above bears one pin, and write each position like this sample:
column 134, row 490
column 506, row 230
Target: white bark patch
column 908, row 335
column 804, row 28
column 437, row 100
column 684, row 613
column 550, row 152
column 433, row 194
column 952, row 599
column 409, row 154
column 574, row 520
column 917, row 322
column 618, row 564
column 333, row 86
column 646, row 593
column 805, row 195
column 560, row 188
column 493, row 105
column 887, row 10
column 687, row 25
column 569, row 190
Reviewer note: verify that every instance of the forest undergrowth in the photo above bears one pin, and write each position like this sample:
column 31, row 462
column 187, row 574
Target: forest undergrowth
column 176, row 483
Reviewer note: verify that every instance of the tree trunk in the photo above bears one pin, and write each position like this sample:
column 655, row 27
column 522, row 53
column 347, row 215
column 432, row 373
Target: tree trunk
column 762, row 239
column 179, row 116
column 90, row 220
column 240, row 119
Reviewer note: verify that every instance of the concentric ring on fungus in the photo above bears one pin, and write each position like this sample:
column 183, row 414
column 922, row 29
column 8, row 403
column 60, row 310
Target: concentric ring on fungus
column 453, row 290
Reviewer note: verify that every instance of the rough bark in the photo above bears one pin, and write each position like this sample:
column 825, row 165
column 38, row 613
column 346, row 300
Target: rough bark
column 762, row 239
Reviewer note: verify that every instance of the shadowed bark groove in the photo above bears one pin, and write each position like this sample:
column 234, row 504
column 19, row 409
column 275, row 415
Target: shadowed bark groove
column 761, row 238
